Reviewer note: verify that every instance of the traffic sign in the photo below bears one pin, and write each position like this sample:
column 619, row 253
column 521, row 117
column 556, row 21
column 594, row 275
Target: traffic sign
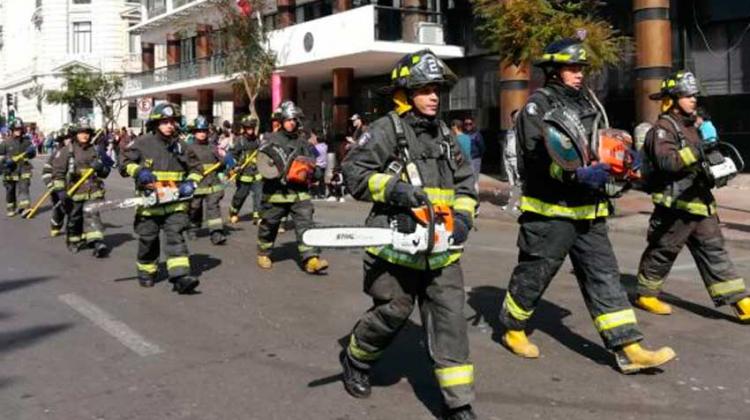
column 145, row 105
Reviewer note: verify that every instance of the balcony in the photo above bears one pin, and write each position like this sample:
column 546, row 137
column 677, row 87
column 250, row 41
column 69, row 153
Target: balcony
column 170, row 75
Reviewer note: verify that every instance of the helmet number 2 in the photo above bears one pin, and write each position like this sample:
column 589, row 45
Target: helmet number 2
column 432, row 66
column 582, row 54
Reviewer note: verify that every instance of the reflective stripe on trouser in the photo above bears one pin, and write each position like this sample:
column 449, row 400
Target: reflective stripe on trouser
column 394, row 290
column 82, row 225
column 147, row 269
column 584, row 212
column 173, row 225
column 243, row 190
column 669, row 231
column 212, row 203
column 543, row 245
column 697, row 206
column 271, row 216
column 17, row 194
column 57, row 219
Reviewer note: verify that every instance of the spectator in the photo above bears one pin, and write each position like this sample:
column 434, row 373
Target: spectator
column 336, row 186
column 463, row 140
column 477, row 145
column 359, row 135
column 510, row 160
column 321, row 160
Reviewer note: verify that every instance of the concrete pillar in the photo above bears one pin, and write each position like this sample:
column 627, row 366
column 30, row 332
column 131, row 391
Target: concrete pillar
column 147, row 56
column 342, row 5
column 206, row 103
column 175, row 98
column 514, row 90
column 173, row 49
column 343, row 79
column 289, row 89
column 203, row 50
column 653, row 40
column 285, row 10
column 275, row 91
column 411, row 18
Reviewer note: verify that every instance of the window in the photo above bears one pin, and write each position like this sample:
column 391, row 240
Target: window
column 38, row 3
column 134, row 43
column 81, row 37
column 187, row 50
column 156, row 7
column 81, row 1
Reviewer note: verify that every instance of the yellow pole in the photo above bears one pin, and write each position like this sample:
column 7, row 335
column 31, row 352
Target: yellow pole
column 80, row 182
column 243, row 166
column 38, row 204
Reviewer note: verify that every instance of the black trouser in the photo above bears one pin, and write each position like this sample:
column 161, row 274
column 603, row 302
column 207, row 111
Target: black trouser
column 148, row 228
column 240, row 195
column 57, row 219
column 83, row 226
column 440, row 294
column 212, row 202
column 543, row 245
column 271, row 216
column 17, row 195
column 670, row 230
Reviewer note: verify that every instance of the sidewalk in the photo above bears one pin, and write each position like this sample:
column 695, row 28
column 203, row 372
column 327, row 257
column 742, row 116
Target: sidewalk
column 633, row 210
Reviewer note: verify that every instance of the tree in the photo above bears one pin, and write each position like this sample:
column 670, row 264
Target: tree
column 519, row 30
column 81, row 85
column 247, row 57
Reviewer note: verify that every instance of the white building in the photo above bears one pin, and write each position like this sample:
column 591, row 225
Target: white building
column 39, row 38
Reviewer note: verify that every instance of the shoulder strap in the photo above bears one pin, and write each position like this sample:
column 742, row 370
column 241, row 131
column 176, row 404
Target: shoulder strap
column 680, row 135
column 398, row 128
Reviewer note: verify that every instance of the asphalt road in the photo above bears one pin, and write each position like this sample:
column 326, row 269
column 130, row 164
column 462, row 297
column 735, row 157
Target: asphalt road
column 79, row 339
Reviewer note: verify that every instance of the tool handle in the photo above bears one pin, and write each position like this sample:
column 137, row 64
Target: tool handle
column 86, row 175
column 38, row 204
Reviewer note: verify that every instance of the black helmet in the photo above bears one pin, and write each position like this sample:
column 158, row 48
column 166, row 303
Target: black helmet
column 568, row 51
column 677, row 85
column 200, row 123
column 83, row 124
column 420, row 69
column 163, row 111
column 16, row 124
column 288, row 110
column 249, row 121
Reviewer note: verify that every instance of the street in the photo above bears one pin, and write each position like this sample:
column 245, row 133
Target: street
column 79, row 339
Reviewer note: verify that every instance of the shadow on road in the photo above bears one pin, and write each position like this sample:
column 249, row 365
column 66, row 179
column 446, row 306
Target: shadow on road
column 116, row 240
column 14, row 340
column 10, row 285
column 200, row 263
column 8, row 381
column 487, row 300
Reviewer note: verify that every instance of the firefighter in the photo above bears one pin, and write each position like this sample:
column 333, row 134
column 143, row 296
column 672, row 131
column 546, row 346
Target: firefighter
column 210, row 190
column 684, row 208
column 57, row 219
column 70, row 163
column 564, row 214
column 249, row 180
column 15, row 155
column 153, row 160
column 283, row 196
column 381, row 171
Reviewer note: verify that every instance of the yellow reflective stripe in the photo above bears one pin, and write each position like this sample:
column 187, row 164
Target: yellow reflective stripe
column 214, row 222
column 24, row 203
column 515, row 310
column 73, row 239
column 288, row 198
column 195, row 177
column 304, row 248
column 726, row 287
column 585, row 212
column 149, row 268
column 377, row 184
column 169, row 175
column 696, row 206
column 93, row 235
column 648, row 283
column 605, row 322
column 445, row 196
column 250, row 178
column 265, row 245
column 557, row 57
column 88, row 196
column 556, row 171
column 58, row 185
column 26, row 176
column 687, row 156
column 162, row 210
column 455, row 376
column 178, row 262
column 209, row 190
column 360, row 354
column 132, row 168
column 465, row 204
column 416, row 262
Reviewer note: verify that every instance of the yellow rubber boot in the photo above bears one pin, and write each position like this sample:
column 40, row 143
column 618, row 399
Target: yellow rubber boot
column 742, row 309
column 517, row 342
column 315, row 265
column 633, row 358
column 54, row 232
column 234, row 219
column 654, row 305
column 264, row 262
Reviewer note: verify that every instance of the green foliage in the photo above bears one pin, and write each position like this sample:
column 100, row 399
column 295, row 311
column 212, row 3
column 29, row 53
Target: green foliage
column 519, row 30
column 81, row 84
column 247, row 56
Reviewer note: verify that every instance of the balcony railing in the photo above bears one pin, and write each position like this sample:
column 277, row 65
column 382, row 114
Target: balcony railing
column 191, row 70
column 180, row 3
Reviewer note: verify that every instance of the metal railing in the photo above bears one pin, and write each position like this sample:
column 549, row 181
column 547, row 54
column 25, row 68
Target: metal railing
column 191, row 70
column 391, row 22
column 180, row 3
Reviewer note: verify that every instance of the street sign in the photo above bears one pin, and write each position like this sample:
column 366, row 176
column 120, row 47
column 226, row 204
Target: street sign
column 144, row 105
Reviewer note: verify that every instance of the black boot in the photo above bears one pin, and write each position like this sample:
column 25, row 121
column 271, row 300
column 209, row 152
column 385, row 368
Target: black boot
column 74, row 247
column 191, row 234
column 218, row 238
column 185, row 285
column 101, row 249
column 464, row 412
column 356, row 380
column 146, row 281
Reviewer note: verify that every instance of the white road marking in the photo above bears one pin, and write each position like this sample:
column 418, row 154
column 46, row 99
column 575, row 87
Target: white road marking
column 112, row 326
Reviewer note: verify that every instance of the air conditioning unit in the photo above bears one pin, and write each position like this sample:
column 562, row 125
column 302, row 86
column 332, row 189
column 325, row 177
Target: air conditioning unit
column 430, row 33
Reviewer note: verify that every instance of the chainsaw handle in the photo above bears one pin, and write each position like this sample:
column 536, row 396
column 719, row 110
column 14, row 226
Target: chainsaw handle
column 430, row 227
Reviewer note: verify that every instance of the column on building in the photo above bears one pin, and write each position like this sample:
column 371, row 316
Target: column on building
column 147, row 56
column 653, row 40
column 173, row 49
column 203, row 50
column 206, row 103
column 342, row 5
column 240, row 102
column 514, row 90
column 285, row 10
column 411, row 18
column 175, row 98
column 343, row 79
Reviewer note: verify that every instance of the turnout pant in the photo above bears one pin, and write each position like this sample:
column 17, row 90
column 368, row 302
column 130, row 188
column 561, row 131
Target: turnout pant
column 148, row 228
column 543, row 245
column 57, row 219
column 440, row 294
column 212, row 202
column 82, row 226
column 670, row 230
column 271, row 217
column 16, row 195
column 240, row 195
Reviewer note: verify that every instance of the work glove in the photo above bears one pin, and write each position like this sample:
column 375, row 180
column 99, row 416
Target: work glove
column 144, row 177
column 406, row 195
column 8, row 165
column 708, row 132
column 594, row 176
column 30, row 152
column 187, row 189
column 100, row 168
column 461, row 228
column 636, row 159
column 229, row 161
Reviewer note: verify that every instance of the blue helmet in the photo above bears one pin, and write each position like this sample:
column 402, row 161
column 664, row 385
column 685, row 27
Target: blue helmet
column 200, row 123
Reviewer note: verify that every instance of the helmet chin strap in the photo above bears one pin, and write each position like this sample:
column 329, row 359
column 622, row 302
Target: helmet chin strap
column 402, row 102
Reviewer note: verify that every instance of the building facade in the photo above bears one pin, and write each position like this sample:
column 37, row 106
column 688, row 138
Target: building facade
column 40, row 38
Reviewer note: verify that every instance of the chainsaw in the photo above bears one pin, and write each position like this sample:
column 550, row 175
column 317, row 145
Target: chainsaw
column 158, row 193
column 425, row 230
